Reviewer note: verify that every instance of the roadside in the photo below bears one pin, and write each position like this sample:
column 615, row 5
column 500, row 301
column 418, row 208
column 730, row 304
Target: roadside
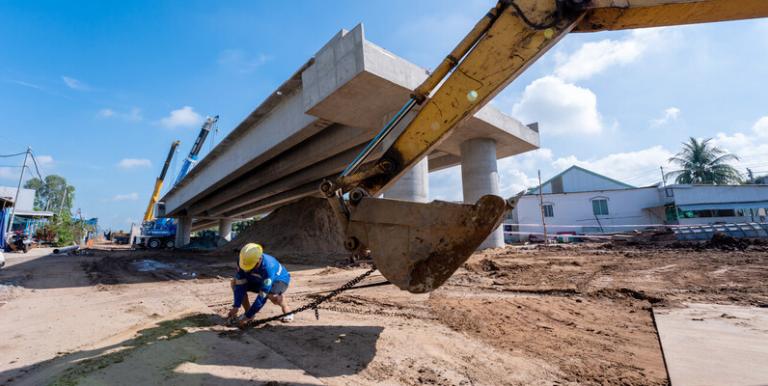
column 520, row 315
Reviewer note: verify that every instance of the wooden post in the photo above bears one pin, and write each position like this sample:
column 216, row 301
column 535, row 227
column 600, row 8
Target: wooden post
column 541, row 207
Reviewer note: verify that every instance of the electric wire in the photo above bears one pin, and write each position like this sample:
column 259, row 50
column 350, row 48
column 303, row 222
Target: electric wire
column 12, row 155
column 37, row 169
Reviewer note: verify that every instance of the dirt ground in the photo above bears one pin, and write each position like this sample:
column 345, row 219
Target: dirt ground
column 557, row 315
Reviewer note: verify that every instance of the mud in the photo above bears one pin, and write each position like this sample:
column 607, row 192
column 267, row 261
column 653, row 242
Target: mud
column 569, row 315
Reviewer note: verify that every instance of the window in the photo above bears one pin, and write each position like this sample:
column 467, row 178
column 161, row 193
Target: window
column 549, row 211
column 600, row 207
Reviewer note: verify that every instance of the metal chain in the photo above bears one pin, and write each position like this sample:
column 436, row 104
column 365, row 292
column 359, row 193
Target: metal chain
column 315, row 303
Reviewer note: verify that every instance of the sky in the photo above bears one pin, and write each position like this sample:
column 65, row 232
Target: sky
column 100, row 89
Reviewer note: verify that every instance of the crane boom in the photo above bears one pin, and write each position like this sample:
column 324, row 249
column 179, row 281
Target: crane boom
column 196, row 147
column 149, row 214
column 419, row 246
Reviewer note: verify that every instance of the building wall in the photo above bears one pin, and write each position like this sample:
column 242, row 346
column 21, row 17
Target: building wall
column 26, row 197
column 706, row 194
column 729, row 196
column 578, row 180
column 573, row 211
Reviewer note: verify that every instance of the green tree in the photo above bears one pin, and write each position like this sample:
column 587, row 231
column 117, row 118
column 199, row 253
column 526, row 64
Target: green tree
column 700, row 162
column 50, row 194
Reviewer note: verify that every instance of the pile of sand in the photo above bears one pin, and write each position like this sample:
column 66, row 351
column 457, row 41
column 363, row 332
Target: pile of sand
column 304, row 229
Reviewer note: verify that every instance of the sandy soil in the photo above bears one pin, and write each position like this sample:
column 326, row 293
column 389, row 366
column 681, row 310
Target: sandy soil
column 520, row 315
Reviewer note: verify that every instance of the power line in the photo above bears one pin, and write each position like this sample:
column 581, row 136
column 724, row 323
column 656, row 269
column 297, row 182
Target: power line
column 12, row 155
column 34, row 161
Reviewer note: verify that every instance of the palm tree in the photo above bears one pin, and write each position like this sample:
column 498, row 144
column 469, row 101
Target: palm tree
column 703, row 163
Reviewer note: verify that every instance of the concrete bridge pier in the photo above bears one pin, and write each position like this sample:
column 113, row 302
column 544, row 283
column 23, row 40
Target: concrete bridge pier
column 413, row 186
column 479, row 176
column 225, row 229
column 183, row 231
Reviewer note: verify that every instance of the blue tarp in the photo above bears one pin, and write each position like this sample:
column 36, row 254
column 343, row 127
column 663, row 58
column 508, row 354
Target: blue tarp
column 2, row 229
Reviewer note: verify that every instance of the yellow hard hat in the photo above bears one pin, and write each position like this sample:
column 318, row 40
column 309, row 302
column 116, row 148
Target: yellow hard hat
column 250, row 256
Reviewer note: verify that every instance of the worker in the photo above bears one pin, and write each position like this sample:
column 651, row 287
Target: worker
column 262, row 274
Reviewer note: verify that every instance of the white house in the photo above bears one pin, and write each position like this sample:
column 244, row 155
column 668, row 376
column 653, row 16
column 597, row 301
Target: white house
column 583, row 202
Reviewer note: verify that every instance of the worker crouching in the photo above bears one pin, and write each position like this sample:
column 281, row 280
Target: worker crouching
column 262, row 274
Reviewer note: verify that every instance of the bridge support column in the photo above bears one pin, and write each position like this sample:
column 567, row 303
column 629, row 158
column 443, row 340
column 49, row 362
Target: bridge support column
column 225, row 229
column 183, row 230
column 479, row 176
column 413, row 186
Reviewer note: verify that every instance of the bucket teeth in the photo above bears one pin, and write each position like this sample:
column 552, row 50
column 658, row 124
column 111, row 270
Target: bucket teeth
column 418, row 246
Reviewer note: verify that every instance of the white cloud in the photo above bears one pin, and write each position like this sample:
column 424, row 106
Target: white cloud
column 7, row 173
column 761, row 127
column 751, row 148
column 183, row 117
column 595, row 57
column 44, row 160
column 518, row 172
column 132, row 115
column 26, row 84
column 75, row 84
column 670, row 114
column 132, row 163
column 240, row 61
column 560, row 107
column 635, row 167
column 126, row 197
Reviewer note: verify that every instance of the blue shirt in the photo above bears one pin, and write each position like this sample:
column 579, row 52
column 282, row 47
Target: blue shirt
column 260, row 279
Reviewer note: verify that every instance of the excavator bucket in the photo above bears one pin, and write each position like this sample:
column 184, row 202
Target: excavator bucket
column 418, row 246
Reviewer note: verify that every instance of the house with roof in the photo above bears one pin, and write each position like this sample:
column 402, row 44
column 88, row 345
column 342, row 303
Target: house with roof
column 19, row 208
column 580, row 201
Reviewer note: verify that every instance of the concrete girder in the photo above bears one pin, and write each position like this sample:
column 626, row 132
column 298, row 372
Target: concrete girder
column 349, row 83
column 335, row 139
column 333, row 165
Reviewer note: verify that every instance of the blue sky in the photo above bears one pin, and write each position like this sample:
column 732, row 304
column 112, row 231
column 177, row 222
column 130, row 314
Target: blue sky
column 100, row 89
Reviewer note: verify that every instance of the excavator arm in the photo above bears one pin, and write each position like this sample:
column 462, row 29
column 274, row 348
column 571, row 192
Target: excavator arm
column 418, row 246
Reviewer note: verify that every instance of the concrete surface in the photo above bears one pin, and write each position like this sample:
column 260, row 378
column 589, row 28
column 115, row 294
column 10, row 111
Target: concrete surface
column 479, row 176
column 313, row 125
column 713, row 344
column 183, row 231
column 413, row 185
column 225, row 229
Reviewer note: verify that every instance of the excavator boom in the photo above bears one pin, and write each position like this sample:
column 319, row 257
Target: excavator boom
column 419, row 246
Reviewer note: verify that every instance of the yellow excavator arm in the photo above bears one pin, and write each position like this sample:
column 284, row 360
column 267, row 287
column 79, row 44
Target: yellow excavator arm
column 418, row 246
column 149, row 214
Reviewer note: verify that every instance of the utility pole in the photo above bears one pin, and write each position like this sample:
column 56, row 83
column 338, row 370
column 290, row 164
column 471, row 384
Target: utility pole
column 663, row 177
column 541, row 207
column 63, row 198
column 18, row 189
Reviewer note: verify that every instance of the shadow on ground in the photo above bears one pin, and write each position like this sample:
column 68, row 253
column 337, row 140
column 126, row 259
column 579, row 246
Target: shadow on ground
column 139, row 266
column 190, row 351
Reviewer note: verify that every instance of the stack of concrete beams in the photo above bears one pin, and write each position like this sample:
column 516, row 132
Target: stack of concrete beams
column 315, row 123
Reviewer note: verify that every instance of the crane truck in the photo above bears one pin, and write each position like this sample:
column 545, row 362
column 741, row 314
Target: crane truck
column 161, row 232
column 418, row 246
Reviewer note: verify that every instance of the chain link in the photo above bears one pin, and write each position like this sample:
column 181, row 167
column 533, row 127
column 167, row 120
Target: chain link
column 315, row 303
